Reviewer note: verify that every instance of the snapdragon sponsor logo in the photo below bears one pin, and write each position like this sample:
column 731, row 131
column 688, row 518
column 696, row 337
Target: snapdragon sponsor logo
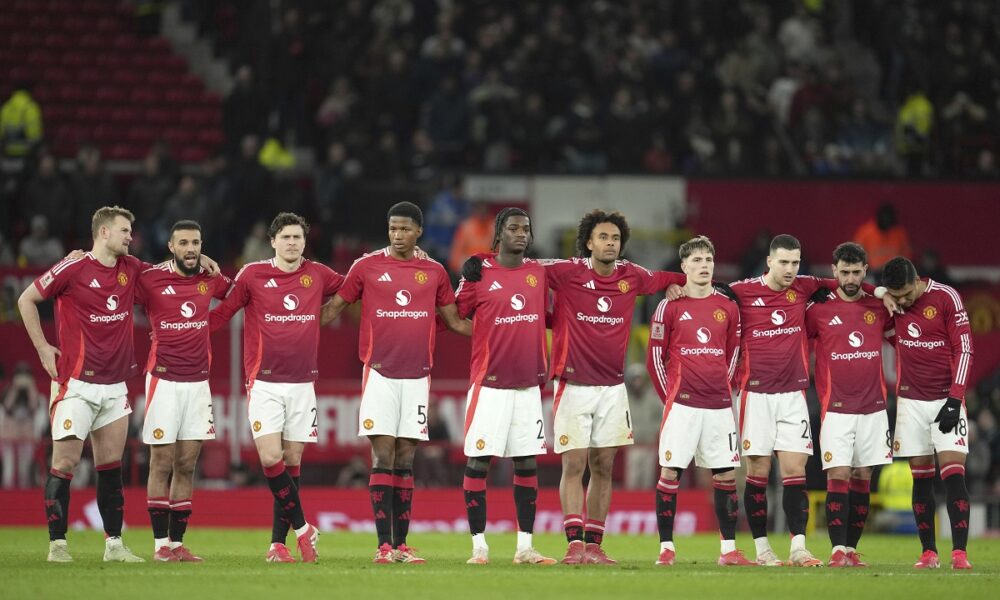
column 920, row 344
column 269, row 318
column 702, row 351
column 109, row 318
column 600, row 319
column 856, row 355
column 522, row 318
column 188, row 309
column 401, row 314
column 184, row 326
column 770, row 333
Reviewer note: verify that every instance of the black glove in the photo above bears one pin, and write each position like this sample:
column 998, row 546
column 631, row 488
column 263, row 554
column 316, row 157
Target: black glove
column 725, row 290
column 947, row 418
column 472, row 270
column 820, row 296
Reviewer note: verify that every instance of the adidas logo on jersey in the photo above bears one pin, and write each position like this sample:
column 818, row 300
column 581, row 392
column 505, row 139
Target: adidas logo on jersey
column 685, row 317
column 758, row 302
column 836, row 320
column 94, row 284
column 271, row 283
column 385, row 277
column 495, row 286
column 590, row 285
column 168, row 291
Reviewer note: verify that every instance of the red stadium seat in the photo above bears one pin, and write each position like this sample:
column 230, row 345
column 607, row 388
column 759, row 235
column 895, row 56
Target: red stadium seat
column 127, row 78
column 141, row 135
column 109, row 25
column 107, row 134
column 91, row 77
column 144, row 96
column 71, row 94
column 58, row 75
column 91, row 114
column 93, row 41
column 25, row 39
column 124, row 151
column 112, row 61
column 158, row 45
column 111, row 94
column 179, row 97
column 53, row 114
column 74, row 60
column 200, row 117
column 127, row 116
column 193, row 154
column 211, row 137
column 58, row 40
column 159, row 116
column 179, row 136
column 126, row 42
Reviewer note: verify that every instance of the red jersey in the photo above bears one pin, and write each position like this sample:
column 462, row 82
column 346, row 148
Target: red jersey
column 399, row 300
column 507, row 307
column 590, row 308
column 933, row 346
column 849, row 336
column 281, row 320
column 93, row 317
column 693, row 348
column 774, row 347
column 178, row 307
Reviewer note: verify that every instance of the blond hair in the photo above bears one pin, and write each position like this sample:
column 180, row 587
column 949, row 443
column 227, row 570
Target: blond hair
column 106, row 215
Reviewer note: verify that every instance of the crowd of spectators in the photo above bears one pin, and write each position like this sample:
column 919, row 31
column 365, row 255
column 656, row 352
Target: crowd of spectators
column 789, row 87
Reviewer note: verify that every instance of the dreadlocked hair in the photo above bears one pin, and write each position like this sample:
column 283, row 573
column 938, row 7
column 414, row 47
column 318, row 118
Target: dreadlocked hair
column 595, row 218
column 501, row 222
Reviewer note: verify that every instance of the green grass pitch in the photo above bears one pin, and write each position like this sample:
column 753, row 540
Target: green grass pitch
column 234, row 568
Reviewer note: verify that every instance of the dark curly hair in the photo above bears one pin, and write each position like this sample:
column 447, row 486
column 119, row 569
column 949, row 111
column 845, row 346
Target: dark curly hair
column 851, row 253
column 501, row 222
column 595, row 218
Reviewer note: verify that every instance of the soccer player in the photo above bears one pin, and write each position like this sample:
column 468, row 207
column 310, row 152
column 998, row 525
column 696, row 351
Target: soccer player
column 503, row 415
column 933, row 353
column 693, row 347
column 94, row 296
column 849, row 326
column 772, row 376
column 282, row 298
column 177, row 296
column 400, row 294
column 592, row 317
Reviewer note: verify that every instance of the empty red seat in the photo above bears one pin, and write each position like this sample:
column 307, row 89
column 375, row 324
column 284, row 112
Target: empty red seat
column 110, row 94
column 179, row 97
column 107, row 134
column 158, row 45
column 127, row 78
column 144, row 96
column 200, row 117
column 126, row 116
column 91, row 77
column 71, row 94
column 112, row 61
column 179, row 136
column 193, row 154
column 141, row 135
column 126, row 151
column 126, row 42
column 58, row 40
column 74, row 60
column 58, row 75
column 159, row 116
column 212, row 138
column 91, row 114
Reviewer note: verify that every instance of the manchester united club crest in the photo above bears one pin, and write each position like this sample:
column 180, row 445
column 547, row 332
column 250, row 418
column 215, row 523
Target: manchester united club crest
column 930, row 312
column 532, row 280
column 256, row 426
column 667, row 455
column 869, row 317
column 67, row 424
column 746, row 444
column 790, row 296
column 480, row 444
column 719, row 314
column 122, row 279
column 306, row 281
column 202, row 288
column 158, row 433
column 623, row 287
column 368, row 424
column 828, row 456
column 421, row 277
column 563, row 440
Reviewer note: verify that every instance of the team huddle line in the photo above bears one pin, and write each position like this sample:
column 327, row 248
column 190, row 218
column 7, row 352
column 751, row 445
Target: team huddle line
column 729, row 362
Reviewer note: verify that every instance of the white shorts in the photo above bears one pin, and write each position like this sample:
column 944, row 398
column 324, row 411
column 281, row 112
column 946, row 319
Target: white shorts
column 918, row 435
column 590, row 416
column 285, row 408
column 76, row 407
column 395, row 407
column 851, row 440
column 177, row 410
column 708, row 435
column 770, row 422
column 504, row 422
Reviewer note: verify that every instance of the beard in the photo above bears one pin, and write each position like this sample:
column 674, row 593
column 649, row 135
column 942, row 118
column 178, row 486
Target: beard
column 851, row 290
column 184, row 269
